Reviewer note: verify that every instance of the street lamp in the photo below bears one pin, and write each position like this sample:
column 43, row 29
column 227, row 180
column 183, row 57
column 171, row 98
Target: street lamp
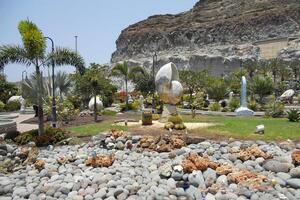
column 153, row 95
column 76, row 42
column 54, row 118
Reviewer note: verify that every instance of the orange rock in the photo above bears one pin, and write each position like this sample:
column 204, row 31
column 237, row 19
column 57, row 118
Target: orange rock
column 147, row 141
column 200, row 163
column 246, row 178
column 224, row 170
column 117, row 133
column 39, row 164
column 164, row 148
column 188, row 166
column 296, row 157
column 177, row 142
column 253, row 151
column 100, row 161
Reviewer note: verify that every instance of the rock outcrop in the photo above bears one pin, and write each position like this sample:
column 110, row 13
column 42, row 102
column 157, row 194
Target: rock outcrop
column 214, row 34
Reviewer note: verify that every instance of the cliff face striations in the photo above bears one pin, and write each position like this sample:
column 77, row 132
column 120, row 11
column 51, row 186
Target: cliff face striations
column 214, row 34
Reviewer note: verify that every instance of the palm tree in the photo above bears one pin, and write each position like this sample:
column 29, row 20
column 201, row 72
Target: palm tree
column 122, row 70
column 274, row 65
column 33, row 53
column 251, row 67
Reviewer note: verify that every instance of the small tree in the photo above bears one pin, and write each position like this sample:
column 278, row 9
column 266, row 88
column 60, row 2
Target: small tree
column 193, row 81
column 92, row 83
column 262, row 87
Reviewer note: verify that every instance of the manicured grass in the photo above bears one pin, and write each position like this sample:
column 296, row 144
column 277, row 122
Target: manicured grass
column 237, row 127
column 244, row 127
column 95, row 128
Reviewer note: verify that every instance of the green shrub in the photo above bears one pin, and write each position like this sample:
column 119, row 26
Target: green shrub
column 225, row 109
column 175, row 119
column 293, row 115
column 234, row 104
column 135, row 105
column 109, row 112
column 179, row 127
column 275, row 109
column 51, row 136
column 214, row 106
column 75, row 141
column 2, row 106
column 146, row 118
column 13, row 106
column 199, row 101
column 155, row 116
column 24, row 138
column 169, row 125
column 298, row 98
column 253, row 105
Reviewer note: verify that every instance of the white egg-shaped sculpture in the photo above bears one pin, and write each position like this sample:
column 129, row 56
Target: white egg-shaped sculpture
column 287, row 94
column 167, row 84
column 98, row 103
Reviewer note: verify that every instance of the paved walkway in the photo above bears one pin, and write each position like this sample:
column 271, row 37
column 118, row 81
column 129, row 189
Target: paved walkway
column 24, row 127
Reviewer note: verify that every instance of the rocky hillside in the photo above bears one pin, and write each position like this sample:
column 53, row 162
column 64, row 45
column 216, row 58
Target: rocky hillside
column 214, row 34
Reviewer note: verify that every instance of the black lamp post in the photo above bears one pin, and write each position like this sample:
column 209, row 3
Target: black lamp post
column 153, row 76
column 54, row 118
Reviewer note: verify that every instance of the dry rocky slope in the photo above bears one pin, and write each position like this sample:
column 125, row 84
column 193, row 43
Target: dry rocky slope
column 214, row 34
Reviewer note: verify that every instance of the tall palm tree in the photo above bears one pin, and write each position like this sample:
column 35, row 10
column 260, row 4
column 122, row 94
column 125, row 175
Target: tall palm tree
column 122, row 70
column 33, row 53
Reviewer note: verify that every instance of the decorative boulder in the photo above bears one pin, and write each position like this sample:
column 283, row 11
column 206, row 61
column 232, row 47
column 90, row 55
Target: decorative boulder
column 98, row 103
column 19, row 99
column 287, row 94
column 167, row 84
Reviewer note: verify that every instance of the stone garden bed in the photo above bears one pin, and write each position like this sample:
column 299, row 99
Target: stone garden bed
column 228, row 169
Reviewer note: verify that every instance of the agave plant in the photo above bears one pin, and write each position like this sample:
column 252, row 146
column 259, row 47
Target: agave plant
column 62, row 87
column 293, row 115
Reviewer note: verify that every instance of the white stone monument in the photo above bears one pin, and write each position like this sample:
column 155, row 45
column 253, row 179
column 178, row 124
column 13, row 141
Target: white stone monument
column 169, row 88
column 98, row 103
column 243, row 110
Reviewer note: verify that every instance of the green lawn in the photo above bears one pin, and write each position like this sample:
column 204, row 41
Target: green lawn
column 237, row 127
column 244, row 127
column 95, row 128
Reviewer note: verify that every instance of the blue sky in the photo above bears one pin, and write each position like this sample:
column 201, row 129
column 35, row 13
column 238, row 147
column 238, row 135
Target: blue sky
column 98, row 23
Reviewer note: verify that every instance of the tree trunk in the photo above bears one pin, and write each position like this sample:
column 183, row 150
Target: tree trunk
column 191, row 97
column 126, row 89
column 95, row 108
column 39, row 100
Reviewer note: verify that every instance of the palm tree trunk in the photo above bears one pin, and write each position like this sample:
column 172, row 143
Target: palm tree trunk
column 39, row 100
column 95, row 108
column 126, row 93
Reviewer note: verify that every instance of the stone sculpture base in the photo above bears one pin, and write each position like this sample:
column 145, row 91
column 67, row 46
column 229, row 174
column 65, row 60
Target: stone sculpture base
column 168, row 110
column 244, row 111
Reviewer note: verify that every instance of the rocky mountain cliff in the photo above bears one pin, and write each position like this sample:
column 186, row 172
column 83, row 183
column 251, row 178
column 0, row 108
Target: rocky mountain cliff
column 214, row 34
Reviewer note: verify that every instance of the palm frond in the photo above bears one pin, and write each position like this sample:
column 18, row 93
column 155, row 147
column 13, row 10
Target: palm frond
column 65, row 56
column 13, row 54
column 120, row 69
